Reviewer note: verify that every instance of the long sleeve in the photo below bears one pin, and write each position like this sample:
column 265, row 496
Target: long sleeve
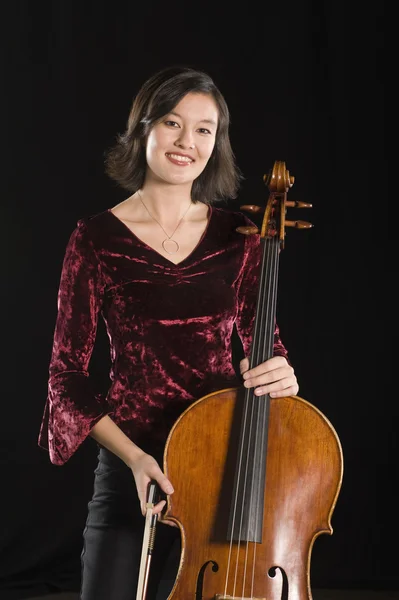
column 247, row 291
column 72, row 408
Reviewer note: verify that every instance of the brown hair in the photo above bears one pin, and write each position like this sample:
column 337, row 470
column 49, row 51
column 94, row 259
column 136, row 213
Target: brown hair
column 125, row 161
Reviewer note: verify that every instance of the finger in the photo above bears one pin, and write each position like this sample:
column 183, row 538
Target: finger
column 158, row 508
column 166, row 522
column 161, row 519
column 143, row 499
column 273, row 363
column 277, row 389
column 291, row 391
column 156, row 473
column 283, row 373
column 164, row 483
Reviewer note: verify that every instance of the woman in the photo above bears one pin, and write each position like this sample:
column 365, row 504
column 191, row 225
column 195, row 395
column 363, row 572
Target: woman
column 171, row 277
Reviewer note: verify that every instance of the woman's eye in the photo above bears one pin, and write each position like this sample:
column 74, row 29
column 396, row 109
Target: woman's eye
column 203, row 130
column 172, row 123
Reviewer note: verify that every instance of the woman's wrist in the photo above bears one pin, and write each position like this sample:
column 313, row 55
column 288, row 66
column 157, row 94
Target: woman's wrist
column 132, row 454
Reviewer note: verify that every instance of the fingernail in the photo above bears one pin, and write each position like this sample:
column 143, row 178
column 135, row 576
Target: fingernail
column 169, row 490
column 248, row 383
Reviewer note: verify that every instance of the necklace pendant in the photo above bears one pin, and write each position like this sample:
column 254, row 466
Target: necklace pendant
column 170, row 246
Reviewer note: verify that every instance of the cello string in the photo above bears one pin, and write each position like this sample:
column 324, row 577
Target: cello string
column 263, row 312
column 247, row 396
column 245, row 568
column 253, row 572
column 235, row 503
column 255, row 402
column 259, row 349
column 244, row 492
column 240, row 463
column 266, row 352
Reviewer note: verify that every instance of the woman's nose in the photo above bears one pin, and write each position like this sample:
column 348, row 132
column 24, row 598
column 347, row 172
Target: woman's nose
column 185, row 139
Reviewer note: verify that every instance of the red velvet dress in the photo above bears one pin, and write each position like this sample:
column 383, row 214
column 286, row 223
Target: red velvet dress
column 169, row 327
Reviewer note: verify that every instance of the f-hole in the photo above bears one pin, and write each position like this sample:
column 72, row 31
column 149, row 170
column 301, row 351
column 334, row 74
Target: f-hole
column 284, row 591
column 200, row 578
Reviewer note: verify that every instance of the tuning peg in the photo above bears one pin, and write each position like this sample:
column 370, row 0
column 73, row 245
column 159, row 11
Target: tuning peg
column 296, row 204
column 252, row 208
column 247, row 229
column 298, row 224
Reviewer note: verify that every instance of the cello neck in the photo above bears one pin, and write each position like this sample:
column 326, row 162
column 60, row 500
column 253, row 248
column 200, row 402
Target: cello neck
column 246, row 511
column 265, row 319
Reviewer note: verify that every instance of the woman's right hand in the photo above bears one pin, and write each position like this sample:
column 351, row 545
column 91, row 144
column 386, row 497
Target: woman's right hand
column 145, row 468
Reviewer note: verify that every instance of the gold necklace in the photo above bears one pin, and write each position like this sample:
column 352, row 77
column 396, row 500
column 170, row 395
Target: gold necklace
column 173, row 245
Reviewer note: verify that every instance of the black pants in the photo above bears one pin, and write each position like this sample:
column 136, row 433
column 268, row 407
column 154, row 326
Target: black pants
column 112, row 539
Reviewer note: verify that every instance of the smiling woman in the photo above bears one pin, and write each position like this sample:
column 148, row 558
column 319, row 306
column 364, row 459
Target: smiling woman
column 172, row 278
column 178, row 148
column 186, row 138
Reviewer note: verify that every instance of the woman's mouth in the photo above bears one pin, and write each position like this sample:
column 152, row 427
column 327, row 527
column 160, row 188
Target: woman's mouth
column 179, row 159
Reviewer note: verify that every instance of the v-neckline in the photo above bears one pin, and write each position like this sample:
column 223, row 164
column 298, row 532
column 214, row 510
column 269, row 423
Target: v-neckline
column 145, row 245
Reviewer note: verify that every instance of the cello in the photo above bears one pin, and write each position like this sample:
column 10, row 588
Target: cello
column 258, row 478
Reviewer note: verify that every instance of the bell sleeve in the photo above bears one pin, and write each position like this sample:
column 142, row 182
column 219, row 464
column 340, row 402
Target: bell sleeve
column 247, row 292
column 72, row 408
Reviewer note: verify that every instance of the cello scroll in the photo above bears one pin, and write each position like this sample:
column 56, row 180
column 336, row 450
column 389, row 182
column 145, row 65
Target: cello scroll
column 279, row 182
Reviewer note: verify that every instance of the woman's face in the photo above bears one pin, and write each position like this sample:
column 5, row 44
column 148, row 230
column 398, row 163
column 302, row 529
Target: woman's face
column 181, row 143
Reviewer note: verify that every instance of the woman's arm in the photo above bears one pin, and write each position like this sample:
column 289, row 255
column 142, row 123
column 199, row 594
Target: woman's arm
column 144, row 467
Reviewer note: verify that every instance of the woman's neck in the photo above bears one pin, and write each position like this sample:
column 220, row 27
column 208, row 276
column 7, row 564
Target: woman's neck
column 165, row 202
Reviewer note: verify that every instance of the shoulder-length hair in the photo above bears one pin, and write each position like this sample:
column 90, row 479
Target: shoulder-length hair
column 125, row 162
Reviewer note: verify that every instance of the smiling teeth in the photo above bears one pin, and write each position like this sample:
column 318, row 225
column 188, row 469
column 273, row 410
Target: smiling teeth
column 180, row 158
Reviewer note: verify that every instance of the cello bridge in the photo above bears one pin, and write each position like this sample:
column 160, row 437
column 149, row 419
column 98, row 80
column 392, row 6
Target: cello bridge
column 223, row 597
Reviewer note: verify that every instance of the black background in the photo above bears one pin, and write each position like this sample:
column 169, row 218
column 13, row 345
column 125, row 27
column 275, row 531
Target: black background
column 304, row 84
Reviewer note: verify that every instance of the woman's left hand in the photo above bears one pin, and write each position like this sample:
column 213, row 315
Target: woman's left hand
column 274, row 377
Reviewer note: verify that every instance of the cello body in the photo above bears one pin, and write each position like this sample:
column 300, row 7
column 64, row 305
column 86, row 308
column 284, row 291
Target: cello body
column 303, row 479
column 256, row 479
